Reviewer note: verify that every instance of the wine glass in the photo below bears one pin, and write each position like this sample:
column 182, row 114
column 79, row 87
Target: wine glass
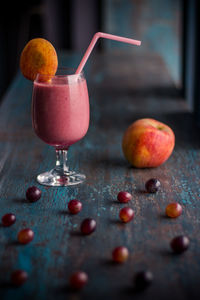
column 60, row 117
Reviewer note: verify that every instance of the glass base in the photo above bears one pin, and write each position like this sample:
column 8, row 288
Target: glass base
column 55, row 178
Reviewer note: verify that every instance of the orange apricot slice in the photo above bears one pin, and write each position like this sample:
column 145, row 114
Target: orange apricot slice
column 38, row 56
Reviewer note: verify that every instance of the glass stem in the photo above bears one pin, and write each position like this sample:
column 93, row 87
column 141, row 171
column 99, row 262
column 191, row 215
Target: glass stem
column 61, row 162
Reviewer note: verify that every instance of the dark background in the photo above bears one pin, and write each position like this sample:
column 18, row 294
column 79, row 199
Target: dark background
column 70, row 24
column 168, row 28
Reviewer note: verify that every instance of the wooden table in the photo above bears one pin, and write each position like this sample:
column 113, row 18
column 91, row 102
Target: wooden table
column 122, row 88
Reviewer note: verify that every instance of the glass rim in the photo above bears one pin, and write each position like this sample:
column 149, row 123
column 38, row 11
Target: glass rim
column 71, row 73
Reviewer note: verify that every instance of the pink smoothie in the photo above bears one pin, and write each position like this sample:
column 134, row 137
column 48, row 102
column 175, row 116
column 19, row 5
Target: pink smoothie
column 60, row 111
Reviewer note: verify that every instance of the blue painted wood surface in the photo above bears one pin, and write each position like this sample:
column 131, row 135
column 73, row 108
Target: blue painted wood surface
column 139, row 90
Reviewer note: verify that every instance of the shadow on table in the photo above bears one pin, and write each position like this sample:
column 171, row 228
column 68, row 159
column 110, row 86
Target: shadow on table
column 66, row 289
column 6, row 285
column 76, row 234
column 20, row 200
column 107, row 162
column 63, row 212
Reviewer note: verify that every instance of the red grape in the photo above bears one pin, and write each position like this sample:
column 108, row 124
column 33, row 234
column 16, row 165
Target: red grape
column 25, row 236
column 18, row 277
column 180, row 244
column 8, row 219
column 78, row 280
column 126, row 214
column 74, row 206
column 88, row 226
column 152, row 185
column 120, row 254
column 173, row 210
column 33, row 194
column 124, row 197
column 143, row 279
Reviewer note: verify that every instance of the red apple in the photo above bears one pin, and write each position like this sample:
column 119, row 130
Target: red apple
column 148, row 143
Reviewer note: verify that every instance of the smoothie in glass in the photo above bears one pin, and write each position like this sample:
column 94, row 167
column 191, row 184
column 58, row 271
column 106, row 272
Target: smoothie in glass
column 60, row 110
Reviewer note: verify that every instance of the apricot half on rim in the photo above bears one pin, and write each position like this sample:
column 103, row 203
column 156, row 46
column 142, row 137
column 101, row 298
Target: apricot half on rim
column 38, row 56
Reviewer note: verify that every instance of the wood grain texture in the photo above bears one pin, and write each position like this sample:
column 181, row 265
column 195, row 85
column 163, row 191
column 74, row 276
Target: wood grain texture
column 142, row 88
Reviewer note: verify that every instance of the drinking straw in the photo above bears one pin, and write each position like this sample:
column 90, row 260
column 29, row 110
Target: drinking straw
column 106, row 36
